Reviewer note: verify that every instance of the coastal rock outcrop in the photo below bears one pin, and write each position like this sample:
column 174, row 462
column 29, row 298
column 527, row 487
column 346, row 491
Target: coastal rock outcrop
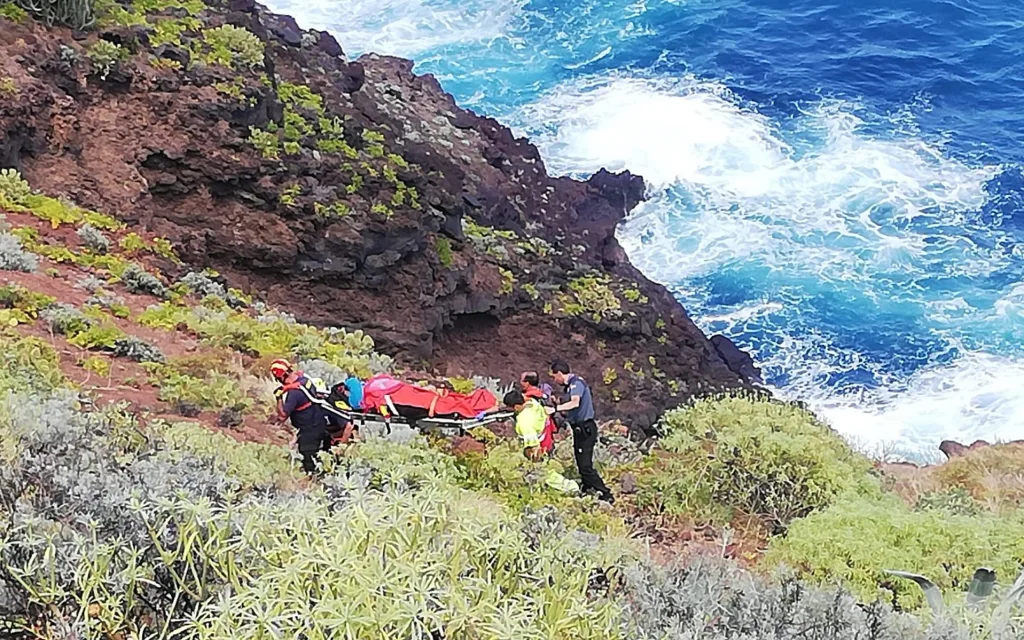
column 358, row 193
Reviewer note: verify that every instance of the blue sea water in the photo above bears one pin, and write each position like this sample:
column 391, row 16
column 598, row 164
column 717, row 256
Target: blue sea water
column 836, row 185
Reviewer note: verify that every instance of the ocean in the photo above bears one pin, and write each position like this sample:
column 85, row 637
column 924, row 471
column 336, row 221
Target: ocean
column 836, row 186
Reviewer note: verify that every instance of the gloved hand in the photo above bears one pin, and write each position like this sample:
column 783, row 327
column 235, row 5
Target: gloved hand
column 481, row 415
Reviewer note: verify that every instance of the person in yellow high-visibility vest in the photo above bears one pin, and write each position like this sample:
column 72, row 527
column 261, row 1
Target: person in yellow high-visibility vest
column 531, row 420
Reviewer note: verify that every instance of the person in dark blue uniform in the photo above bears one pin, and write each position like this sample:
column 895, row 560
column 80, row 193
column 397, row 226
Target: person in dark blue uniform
column 579, row 412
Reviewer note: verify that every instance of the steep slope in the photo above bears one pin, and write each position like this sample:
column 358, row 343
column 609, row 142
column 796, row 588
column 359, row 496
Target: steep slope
column 350, row 193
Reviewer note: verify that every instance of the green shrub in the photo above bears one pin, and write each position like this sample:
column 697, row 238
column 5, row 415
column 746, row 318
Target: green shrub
column 230, row 46
column 137, row 280
column 443, row 246
column 268, row 335
column 591, row 296
column 13, row 12
column 58, row 212
column 856, row 540
column 104, row 56
column 29, row 364
column 266, row 143
column 98, row 365
column 252, row 464
column 462, row 385
column 15, row 296
column 66, row 319
column 13, row 189
column 214, row 391
column 136, row 349
column 956, row 500
column 736, row 456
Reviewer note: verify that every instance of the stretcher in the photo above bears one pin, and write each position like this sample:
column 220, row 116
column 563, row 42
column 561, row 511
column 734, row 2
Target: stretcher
column 398, row 405
column 450, row 426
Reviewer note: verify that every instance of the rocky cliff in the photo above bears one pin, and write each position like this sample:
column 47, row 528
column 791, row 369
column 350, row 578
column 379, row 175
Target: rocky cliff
column 352, row 193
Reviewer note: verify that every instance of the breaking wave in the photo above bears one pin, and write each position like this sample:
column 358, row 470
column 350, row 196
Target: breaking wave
column 836, row 188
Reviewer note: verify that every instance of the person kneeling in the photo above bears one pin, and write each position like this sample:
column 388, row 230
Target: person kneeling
column 533, row 428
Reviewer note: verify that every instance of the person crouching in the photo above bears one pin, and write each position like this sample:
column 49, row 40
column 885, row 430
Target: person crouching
column 532, row 427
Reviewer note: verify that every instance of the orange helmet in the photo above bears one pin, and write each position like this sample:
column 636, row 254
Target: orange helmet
column 280, row 368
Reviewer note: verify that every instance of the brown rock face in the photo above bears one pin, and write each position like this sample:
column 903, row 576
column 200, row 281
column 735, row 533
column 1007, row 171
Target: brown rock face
column 492, row 267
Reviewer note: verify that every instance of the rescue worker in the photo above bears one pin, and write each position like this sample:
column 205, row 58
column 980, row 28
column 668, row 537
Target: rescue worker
column 531, row 418
column 296, row 402
column 579, row 412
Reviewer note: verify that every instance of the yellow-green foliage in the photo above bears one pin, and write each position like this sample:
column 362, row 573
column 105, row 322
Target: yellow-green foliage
column 132, row 243
column 289, row 194
column 105, row 55
column 415, row 464
column 141, row 12
column 462, row 385
column 431, row 563
column 735, row 456
column 508, row 281
column 8, row 89
column 334, row 211
column 13, row 189
column 29, row 364
column 230, row 46
column 443, row 246
column 265, row 142
column 15, row 195
column 214, row 390
column 856, row 540
column 504, row 473
column 15, row 296
column 13, row 12
column 169, row 31
column 252, row 464
column 97, row 336
column 13, row 317
column 634, row 295
column 98, row 365
column 270, row 336
column 590, row 295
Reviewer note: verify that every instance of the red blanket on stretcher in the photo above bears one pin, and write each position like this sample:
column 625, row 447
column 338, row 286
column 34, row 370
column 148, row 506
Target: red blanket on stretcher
column 436, row 403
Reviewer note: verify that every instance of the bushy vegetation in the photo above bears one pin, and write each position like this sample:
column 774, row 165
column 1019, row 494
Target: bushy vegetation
column 13, row 12
column 268, row 335
column 13, row 256
column 138, row 280
column 124, row 533
column 93, row 238
column 857, row 540
column 230, row 46
column 105, row 56
column 591, row 296
column 738, row 456
column 712, row 599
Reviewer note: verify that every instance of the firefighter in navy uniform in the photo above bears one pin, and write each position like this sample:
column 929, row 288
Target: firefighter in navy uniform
column 295, row 402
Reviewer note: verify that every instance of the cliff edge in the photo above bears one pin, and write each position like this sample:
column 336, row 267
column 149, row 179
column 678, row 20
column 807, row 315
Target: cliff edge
column 352, row 193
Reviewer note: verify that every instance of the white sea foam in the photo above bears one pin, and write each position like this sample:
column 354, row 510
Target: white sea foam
column 403, row 27
column 822, row 206
column 978, row 397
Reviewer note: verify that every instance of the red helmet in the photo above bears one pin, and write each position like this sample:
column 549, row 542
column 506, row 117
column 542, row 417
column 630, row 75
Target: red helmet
column 280, row 368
